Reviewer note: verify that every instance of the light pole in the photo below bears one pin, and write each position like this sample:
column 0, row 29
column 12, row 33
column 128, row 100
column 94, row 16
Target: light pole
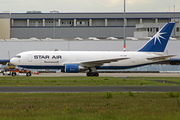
column 54, row 21
column 124, row 26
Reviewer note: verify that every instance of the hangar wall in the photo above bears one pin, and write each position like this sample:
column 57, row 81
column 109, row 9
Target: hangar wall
column 70, row 33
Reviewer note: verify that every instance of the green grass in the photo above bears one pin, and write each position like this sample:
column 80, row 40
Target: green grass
column 89, row 106
column 87, row 81
column 177, row 79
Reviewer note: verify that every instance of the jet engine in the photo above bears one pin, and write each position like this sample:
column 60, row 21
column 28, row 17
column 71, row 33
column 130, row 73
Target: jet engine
column 71, row 68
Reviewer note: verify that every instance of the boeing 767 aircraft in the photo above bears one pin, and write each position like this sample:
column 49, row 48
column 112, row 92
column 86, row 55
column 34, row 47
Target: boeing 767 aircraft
column 76, row 61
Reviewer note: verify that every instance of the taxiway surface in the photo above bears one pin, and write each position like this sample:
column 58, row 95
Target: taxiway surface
column 77, row 89
column 112, row 74
column 107, row 75
column 74, row 89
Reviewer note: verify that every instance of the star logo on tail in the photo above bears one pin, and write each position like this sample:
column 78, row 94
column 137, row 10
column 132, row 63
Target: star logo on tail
column 158, row 36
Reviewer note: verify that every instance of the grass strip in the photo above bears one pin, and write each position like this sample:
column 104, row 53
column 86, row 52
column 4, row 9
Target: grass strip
column 88, row 81
column 90, row 106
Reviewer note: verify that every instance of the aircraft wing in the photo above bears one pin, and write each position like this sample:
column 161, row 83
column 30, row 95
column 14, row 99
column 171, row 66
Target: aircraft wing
column 161, row 57
column 100, row 62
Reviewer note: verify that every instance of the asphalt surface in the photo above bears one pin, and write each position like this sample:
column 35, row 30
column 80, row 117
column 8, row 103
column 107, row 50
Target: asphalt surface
column 109, row 75
column 106, row 75
column 77, row 89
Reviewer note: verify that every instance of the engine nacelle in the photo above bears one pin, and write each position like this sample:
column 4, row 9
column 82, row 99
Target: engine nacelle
column 71, row 68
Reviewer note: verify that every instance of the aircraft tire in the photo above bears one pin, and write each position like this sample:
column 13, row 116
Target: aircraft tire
column 89, row 74
column 28, row 74
column 96, row 74
column 13, row 74
column 92, row 74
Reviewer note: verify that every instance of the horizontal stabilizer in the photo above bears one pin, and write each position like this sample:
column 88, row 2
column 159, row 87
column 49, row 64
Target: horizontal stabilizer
column 161, row 57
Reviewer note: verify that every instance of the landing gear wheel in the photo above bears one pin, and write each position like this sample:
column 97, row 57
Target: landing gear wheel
column 13, row 74
column 28, row 74
column 92, row 74
column 96, row 74
column 88, row 74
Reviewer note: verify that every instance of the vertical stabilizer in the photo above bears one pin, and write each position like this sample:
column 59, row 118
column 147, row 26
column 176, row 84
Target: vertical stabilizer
column 160, row 39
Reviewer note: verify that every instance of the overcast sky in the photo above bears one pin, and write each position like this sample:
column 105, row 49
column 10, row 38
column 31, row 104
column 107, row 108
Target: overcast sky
column 22, row 6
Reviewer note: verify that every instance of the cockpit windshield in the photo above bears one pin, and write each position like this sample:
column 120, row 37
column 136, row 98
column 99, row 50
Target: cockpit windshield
column 17, row 56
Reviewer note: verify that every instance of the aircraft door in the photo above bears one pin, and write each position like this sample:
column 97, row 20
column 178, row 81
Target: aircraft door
column 30, row 58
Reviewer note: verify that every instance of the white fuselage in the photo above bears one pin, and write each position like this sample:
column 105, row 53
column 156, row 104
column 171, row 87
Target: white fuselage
column 53, row 59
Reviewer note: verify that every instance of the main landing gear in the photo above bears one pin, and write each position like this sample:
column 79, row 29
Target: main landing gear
column 92, row 72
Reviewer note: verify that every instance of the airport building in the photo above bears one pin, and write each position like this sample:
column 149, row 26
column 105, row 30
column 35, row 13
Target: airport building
column 57, row 25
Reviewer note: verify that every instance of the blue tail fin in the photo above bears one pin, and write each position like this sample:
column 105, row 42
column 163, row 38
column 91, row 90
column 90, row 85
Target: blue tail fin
column 159, row 41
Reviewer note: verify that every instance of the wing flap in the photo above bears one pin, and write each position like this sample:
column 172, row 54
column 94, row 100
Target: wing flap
column 161, row 57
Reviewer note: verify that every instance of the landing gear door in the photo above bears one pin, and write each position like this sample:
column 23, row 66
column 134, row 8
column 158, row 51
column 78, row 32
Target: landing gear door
column 30, row 57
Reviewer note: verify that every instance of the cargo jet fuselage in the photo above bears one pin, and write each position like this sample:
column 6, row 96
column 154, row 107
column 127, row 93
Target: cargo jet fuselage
column 75, row 61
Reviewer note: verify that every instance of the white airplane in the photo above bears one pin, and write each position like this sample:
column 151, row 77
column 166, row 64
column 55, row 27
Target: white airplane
column 76, row 61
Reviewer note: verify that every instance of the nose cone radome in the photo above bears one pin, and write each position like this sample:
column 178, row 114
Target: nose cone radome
column 14, row 61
